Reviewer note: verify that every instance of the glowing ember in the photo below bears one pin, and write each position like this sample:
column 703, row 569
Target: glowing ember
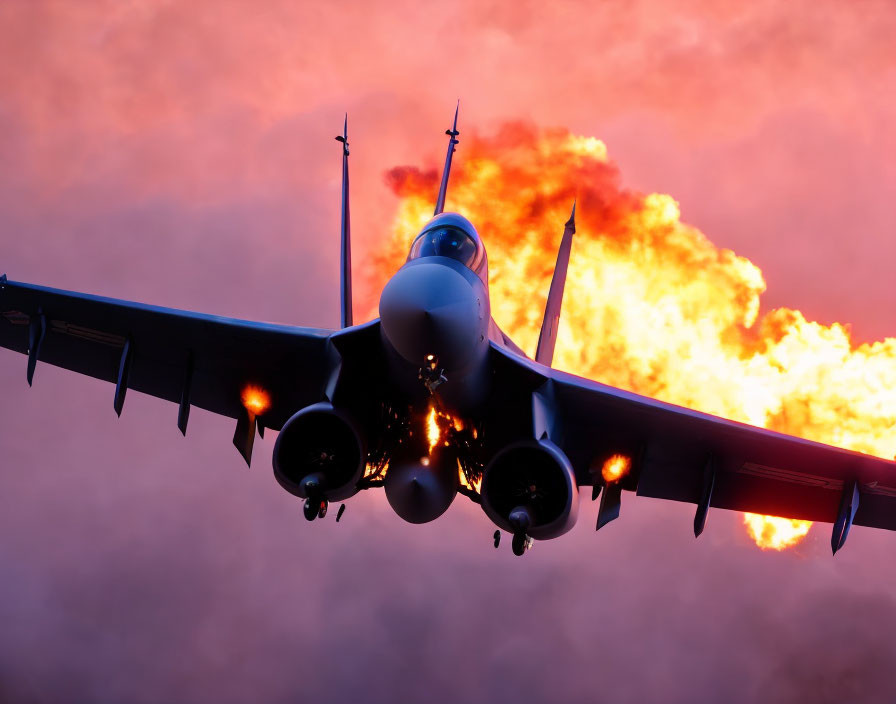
column 615, row 468
column 666, row 312
column 375, row 471
column 772, row 533
column 256, row 400
column 433, row 431
column 438, row 423
column 462, row 478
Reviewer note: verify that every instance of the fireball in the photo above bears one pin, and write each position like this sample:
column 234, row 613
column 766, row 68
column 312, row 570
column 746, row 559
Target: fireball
column 773, row 533
column 615, row 468
column 651, row 305
column 255, row 399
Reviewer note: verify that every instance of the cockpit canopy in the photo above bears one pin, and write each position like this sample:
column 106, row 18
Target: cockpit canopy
column 451, row 235
column 445, row 241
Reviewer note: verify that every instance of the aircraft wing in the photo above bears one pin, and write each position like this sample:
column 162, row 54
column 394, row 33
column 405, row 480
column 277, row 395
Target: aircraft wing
column 191, row 358
column 685, row 455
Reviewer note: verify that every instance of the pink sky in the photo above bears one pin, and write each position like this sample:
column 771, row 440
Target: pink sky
column 182, row 154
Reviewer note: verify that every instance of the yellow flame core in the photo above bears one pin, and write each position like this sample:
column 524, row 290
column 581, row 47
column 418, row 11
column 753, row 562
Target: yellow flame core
column 433, row 431
column 773, row 533
column 437, row 423
column 652, row 305
column 615, row 468
column 255, row 399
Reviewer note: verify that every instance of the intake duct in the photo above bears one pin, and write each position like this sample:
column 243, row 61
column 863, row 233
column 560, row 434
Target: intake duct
column 530, row 487
column 320, row 450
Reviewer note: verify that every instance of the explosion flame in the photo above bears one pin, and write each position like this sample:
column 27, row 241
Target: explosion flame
column 615, row 468
column 255, row 399
column 773, row 533
column 475, row 486
column 438, row 424
column 433, row 431
column 668, row 314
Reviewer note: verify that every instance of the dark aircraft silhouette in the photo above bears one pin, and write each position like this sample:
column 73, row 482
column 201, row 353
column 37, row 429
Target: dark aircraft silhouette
column 433, row 399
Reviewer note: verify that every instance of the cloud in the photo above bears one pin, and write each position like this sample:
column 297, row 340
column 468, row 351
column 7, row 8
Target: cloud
column 182, row 154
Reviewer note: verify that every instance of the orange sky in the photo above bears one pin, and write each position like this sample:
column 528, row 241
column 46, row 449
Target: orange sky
column 182, row 153
column 769, row 122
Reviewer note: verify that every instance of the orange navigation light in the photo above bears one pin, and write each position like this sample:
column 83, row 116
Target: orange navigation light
column 255, row 399
column 615, row 468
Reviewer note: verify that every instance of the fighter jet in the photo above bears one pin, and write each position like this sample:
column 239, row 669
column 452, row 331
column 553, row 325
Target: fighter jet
column 432, row 399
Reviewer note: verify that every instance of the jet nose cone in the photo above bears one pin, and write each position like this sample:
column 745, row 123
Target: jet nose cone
column 431, row 309
column 418, row 493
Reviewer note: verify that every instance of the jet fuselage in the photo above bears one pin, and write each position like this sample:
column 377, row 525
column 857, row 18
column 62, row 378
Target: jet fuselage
column 435, row 315
column 435, row 322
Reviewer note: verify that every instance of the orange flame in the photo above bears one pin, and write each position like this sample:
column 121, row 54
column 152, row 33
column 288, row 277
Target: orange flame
column 433, row 431
column 615, row 468
column 374, row 470
column 475, row 485
column 773, row 533
column 668, row 314
column 437, row 423
column 255, row 399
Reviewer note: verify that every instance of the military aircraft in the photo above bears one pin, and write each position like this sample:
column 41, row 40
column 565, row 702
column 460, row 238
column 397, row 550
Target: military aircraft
column 432, row 399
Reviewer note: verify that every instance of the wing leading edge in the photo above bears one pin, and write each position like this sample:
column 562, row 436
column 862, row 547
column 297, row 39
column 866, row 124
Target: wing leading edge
column 685, row 455
column 188, row 358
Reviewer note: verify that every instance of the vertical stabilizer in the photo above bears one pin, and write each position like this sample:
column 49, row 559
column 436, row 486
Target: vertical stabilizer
column 345, row 272
column 452, row 141
column 544, row 353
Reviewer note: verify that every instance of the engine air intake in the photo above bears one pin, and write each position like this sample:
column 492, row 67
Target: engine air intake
column 531, row 481
column 320, row 450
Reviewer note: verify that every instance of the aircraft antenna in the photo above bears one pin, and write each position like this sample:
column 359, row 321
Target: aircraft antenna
column 452, row 141
column 547, row 339
column 346, row 254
